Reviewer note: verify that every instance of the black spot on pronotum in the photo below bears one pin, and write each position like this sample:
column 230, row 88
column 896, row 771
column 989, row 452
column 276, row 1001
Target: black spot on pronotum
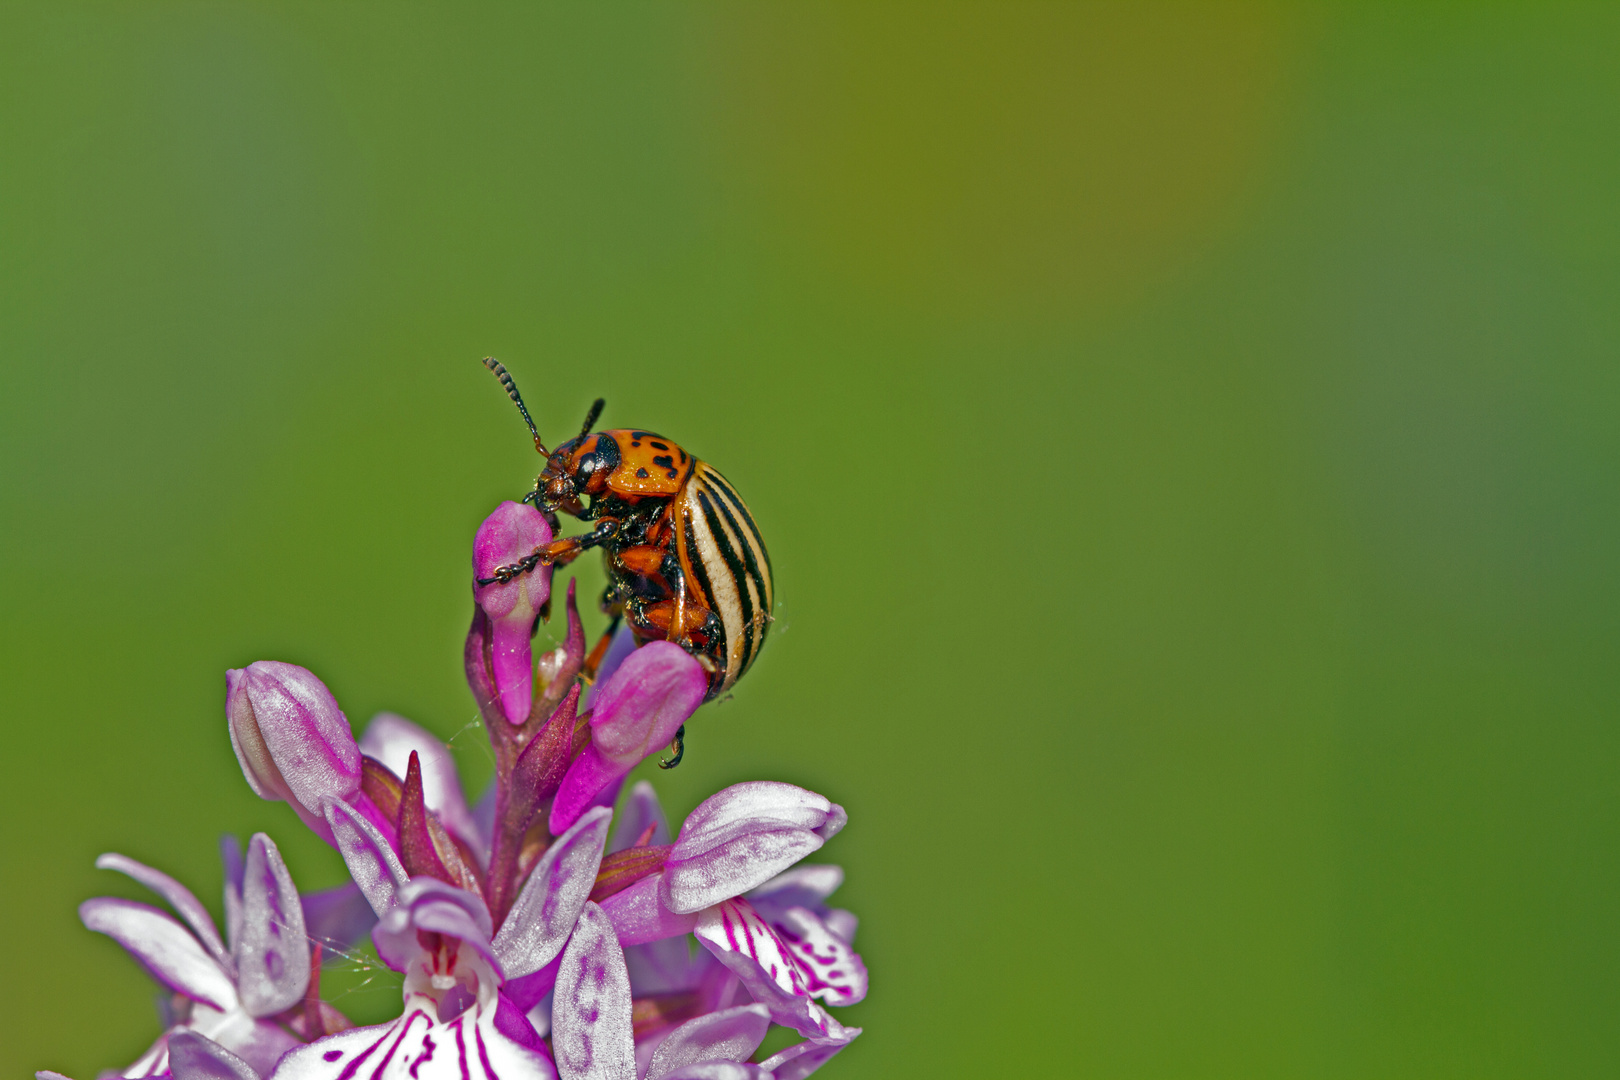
column 666, row 461
column 660, row 446
column 642, row 473
column 672, row 474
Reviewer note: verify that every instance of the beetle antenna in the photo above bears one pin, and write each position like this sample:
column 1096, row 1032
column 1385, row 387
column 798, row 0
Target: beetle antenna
column 517, row 399
column 592, row 416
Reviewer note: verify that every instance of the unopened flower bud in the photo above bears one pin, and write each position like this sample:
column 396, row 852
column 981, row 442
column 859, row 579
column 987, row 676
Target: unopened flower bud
column 508, row 536
column 292, row 739
column 634, row 714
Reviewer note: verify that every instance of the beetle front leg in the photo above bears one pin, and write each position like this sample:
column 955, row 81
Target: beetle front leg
column 557, row 553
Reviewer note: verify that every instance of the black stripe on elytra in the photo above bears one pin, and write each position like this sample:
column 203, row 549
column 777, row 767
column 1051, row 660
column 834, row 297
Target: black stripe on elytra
column 753, row 566
column 701, row 571
column 725, row 485
column 738, row 569
column 750, row 569
column 751, row 633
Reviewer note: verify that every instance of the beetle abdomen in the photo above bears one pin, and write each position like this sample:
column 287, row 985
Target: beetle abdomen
column 732, row 569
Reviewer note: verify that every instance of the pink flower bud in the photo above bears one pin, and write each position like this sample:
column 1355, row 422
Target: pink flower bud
column 292, row 739
column 509, row 535
column 634, row 715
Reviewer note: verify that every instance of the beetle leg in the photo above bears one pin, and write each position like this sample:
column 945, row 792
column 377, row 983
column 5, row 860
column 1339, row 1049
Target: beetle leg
column 557, row 553
column 679, row 746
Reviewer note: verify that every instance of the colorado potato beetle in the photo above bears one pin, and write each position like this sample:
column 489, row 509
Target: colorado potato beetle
column 685, row 561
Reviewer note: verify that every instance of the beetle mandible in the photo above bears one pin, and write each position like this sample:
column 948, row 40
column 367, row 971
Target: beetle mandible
column 685, row 561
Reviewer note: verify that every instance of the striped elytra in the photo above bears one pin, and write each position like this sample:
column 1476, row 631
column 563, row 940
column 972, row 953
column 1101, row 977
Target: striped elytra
column 721, row 544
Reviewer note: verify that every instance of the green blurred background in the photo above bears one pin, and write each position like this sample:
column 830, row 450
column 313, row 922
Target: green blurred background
column 1187, row 438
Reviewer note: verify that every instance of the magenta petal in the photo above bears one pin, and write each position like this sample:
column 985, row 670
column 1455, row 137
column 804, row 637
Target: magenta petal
column 193, row 1057
column 171, row 954
column 802, row 1059
column 537, row 927
column 803, row 886
column 390, row 739
column 639, row 916
column 590, row 1010
column 635, row 714
column 512, row 656
column 371, row 861
column 727, row 1035
column 586, row 778
column 179, row 897
column 637, row 711
column 272, row 956
column 510, row 534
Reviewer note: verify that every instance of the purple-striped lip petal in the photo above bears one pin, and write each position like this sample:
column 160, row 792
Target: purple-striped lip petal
column 179, row 897
column 272, row 955
column 635, row 714
column 171, row 954
column 193, row 1057
column 513, row 532
column 390, row 739
column 737, row 936
column 741, row 838
column 427, row 904
column 537, row 927
column 590, row 1011
column 829, row 968
column 292, row 740
column 639, row 916
column 728, row 1035
column 476, row 1044
column 372, row 863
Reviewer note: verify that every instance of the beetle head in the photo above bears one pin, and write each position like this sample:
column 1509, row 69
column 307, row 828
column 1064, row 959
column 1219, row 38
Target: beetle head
column 579, row 467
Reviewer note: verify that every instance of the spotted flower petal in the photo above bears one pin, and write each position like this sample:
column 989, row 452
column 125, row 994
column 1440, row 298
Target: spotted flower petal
column 194, row 1057
column 728, row 1035
column 590, row 1011
column 272, row 955
column 537, row 927
column 372, row 863
column 743, row 836
column 828, row 967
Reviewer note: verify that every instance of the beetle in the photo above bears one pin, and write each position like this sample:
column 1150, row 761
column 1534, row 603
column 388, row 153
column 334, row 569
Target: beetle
column 685, row 561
